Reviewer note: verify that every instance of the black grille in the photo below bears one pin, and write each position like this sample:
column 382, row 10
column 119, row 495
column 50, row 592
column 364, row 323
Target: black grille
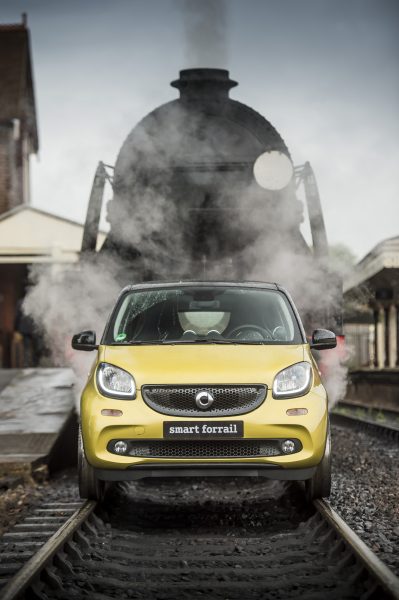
column 180, row 400
column 204, row 449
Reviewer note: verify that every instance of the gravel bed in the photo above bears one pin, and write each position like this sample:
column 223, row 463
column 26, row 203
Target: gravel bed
column 62, row 487
column 365, row 489
column 15, row 501
column 18, row 500
column 226, row 506
column 36, row 512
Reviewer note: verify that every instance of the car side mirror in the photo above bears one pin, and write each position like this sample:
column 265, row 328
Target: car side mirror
column 323, row 339
column 85, row 340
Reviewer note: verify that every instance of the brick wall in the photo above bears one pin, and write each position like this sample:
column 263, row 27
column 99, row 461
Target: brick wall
column 12, row 284
column 5, row 134
column 10, row 169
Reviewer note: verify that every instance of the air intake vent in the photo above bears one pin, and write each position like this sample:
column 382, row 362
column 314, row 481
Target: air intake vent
column 204, row 449
column 181, row 401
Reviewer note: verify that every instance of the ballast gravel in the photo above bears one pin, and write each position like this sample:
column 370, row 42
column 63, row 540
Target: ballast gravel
column 365, row 489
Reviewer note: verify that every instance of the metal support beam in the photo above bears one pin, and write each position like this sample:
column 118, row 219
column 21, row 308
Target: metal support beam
column 397, row 335
column 317, row 227
column 90, row 232
column 375, row 314
column 386, row 336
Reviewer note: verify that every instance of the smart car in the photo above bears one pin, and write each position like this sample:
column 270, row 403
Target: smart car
column 207, row 379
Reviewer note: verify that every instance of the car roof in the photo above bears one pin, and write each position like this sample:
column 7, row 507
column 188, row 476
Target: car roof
column 200, row 283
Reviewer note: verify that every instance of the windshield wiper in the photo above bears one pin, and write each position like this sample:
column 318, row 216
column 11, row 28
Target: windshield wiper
column 136, row 343
column 218, row 341
column 201, row 340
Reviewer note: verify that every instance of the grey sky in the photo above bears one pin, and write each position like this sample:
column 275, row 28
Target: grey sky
column 325, row 73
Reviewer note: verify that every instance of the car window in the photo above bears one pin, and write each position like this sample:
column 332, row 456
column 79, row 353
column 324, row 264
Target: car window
column 202, row 314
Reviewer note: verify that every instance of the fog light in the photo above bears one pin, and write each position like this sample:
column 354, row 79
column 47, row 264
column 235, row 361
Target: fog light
column 111, row 412
column 293, row 412
column 120, row 447
column 288, row 447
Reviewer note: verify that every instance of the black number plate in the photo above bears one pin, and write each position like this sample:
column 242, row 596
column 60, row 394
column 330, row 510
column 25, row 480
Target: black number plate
column 188, row 430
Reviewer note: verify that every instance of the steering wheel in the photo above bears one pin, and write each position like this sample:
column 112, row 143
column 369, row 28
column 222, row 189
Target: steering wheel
column 265, row 333
column 279, row 333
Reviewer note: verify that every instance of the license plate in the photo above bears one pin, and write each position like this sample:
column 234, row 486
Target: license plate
column 188, row 430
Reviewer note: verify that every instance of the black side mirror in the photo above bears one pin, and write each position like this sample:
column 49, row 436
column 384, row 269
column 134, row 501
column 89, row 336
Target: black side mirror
column 85, row 340
column 323, row 339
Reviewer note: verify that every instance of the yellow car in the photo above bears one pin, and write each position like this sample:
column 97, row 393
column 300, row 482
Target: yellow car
column 204, row 378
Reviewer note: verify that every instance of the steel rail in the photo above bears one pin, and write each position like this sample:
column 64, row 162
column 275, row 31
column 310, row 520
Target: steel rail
column 382, row 429
column 368, row 409
column 26, row 576
column 383, row 576
column 381, row 573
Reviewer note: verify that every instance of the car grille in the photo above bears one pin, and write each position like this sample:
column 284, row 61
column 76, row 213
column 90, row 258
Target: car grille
column 180, row 400
column 205, row 449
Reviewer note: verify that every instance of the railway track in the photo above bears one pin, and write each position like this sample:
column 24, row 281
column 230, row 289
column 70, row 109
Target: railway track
column 137, row 551
column 380, row 422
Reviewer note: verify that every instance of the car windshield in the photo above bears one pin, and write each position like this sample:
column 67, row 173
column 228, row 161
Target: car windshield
column 202, row 314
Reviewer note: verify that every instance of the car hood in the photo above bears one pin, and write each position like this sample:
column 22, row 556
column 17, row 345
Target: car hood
column 182, row 364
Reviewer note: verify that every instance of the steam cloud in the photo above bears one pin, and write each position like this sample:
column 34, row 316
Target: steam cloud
column 153, row 210
column 65, row 300
column 333, row 364
column 205, row 28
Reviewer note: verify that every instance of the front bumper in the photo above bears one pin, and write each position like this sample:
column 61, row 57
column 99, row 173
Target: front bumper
column 133, row 473
column 139, row 422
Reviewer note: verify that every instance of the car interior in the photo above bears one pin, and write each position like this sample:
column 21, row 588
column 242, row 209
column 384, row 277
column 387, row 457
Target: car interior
column 240, row 315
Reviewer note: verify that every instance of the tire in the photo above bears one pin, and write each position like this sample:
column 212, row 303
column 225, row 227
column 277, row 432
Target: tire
column 90, row 487
column 319, row 486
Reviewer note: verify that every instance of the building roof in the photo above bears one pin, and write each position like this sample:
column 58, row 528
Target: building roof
column 30, row 235
column 384, row 255
column 17, row 99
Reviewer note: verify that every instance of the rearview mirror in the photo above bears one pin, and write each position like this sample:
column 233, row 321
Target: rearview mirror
column 323, row 339
column 85, row 340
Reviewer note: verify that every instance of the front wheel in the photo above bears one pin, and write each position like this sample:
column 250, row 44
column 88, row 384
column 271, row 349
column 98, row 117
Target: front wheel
column 89, row 486
column 319, row 486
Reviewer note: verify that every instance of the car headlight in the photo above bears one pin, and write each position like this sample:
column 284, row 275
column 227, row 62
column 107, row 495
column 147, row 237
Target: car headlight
column 115, row 382
column 293, row 381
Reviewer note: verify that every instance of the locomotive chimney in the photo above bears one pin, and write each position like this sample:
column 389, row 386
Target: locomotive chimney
column 204, row 84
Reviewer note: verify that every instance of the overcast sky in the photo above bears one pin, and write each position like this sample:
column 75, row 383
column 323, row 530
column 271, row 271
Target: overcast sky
column 324, row 72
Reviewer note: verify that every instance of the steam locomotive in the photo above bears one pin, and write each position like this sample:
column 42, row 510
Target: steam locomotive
column 204, row 187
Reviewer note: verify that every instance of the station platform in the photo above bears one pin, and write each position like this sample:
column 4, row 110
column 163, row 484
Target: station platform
column 377, row 388
column 37, row 419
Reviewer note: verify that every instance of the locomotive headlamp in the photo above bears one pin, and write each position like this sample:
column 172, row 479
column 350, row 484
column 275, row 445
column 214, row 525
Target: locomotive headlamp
column 273, row 170
column 293, row 381
column 115, row 382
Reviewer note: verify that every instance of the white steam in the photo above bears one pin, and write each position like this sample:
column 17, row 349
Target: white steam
column 205, row 29
column 333, row 365
column 159, row 193
column 66, row 300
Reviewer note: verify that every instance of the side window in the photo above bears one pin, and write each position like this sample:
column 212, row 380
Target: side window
column 284, row 330
column 120, row 321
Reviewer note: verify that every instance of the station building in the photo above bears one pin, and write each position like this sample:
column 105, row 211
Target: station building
column 371, row 293
column 27, row 235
